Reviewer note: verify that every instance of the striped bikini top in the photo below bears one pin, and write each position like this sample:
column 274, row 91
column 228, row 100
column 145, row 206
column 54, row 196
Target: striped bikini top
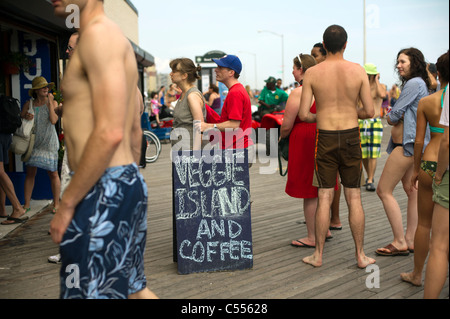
column 439, row 129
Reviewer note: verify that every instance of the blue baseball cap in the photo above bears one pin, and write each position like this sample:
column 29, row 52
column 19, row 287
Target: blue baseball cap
column 231, row 62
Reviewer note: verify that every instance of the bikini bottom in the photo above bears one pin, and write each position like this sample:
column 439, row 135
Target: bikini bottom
column 429, row 167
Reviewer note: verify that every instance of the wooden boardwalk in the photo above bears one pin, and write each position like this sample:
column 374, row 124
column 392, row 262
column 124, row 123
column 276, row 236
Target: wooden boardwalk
column 278, row 271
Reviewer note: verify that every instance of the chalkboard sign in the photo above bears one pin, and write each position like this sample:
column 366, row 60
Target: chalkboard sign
column 211, row 201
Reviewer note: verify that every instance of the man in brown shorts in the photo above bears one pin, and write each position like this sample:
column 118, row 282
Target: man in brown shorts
column 338, row 138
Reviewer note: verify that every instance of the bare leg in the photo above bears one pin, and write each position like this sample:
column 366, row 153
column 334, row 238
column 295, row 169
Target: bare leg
column 55, row 183
column 411, row 213
column 143, row 294
column 322, row 225
column 309, row 209
column 422, row 238
column 29, row 185
column 357, row 225
column 437, row 267
column 8, row 190
column 370, row 164
column 394, row 170
column 335, row 218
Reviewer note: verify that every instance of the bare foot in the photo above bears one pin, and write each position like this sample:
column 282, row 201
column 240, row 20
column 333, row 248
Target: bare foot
column 313, row 260
column 412, row 279
column 365, row 261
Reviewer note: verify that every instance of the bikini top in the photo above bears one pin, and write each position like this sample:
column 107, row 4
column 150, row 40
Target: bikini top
column 439, row 129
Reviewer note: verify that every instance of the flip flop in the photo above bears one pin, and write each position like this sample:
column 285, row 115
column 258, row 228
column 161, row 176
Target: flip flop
column 15, row 220
column 335, row 228
column 4, row 216
column 300, row 244
column 392, row 251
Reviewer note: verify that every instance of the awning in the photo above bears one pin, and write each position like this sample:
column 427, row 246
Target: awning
column 142, row 57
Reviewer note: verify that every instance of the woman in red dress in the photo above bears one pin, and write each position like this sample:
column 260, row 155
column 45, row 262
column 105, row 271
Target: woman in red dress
column 302, row 137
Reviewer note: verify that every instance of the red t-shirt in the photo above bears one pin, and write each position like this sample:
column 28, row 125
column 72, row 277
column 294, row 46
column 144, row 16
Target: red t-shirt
column 237, row 107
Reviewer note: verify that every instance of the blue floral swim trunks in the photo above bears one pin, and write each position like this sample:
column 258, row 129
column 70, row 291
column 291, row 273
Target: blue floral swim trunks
column 102, row 251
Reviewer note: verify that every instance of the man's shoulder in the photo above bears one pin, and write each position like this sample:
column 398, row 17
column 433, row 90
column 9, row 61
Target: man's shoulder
column 102, row 30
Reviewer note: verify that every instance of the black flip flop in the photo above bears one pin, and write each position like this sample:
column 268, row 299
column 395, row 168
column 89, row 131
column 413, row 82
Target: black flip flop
column 15, row 220
column 301, row 244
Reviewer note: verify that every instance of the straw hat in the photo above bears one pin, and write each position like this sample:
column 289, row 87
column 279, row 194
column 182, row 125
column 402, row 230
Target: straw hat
column 40, row 82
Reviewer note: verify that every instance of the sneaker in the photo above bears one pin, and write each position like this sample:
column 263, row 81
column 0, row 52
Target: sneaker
column 55, row 259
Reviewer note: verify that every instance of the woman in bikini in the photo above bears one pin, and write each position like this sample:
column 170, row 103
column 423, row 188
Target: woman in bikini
column 412, row 71
column 428, row 112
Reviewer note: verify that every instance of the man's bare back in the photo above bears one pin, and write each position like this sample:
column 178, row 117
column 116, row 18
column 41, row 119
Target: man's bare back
column 87, row 111
column 378, row 92
column 337, row 85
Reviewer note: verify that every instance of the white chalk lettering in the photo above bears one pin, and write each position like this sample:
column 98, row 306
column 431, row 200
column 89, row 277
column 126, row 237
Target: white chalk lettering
column 228, row 250
column 231, row 249
column 220, row 202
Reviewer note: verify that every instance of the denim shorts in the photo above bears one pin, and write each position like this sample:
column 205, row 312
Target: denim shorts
column 440, row 193
column 102, row 251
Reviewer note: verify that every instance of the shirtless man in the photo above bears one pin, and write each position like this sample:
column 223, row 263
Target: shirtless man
column 338, row 139
column 101, row 235
column 372, row 129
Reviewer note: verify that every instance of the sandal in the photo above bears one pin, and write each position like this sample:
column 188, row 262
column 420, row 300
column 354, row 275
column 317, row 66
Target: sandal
column 392, row 251
column 15, row 220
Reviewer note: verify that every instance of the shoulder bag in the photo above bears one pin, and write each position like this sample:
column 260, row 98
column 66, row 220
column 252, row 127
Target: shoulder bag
column 283, row 152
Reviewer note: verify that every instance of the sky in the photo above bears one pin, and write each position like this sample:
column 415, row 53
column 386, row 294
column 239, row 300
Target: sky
column 254, row 29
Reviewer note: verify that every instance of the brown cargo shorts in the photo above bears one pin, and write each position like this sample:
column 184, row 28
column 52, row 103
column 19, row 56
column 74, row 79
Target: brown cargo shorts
column 338, row 151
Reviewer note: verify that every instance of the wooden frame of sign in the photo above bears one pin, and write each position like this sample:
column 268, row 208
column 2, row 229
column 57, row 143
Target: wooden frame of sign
column 211, row 211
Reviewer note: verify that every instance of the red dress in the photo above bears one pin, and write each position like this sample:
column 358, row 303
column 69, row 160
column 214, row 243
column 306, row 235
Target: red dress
column 302, row 142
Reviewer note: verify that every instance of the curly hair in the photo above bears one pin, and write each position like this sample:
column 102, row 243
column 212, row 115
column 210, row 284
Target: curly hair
column 418, row 66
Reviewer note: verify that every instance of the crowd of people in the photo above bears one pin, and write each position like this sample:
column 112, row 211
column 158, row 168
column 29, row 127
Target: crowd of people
column 335, row 129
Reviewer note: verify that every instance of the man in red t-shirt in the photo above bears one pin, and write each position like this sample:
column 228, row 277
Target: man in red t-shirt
column 236, row 118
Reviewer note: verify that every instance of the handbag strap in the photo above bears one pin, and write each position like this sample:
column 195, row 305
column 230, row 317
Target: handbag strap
column 280, row 164
column 35, row 113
